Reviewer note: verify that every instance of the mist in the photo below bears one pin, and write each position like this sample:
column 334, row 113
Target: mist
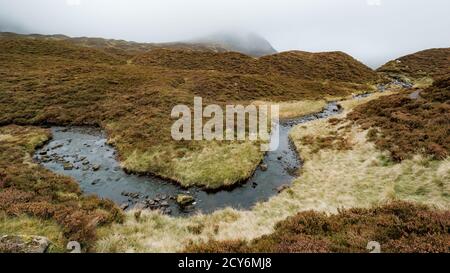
column 373, row 31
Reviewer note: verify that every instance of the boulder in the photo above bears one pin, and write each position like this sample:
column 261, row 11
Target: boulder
column 263, row 167
column 23, row 244
column 184, row 199
column 45, row 158
column 167, row 211
column 68, row 166
column 140, row 206
column 95, row 182
column 57, row 146
column 134, row 195
column 282, row 188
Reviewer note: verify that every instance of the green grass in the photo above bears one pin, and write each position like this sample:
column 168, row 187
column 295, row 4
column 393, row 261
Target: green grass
column 215, row 166
column 25, row 225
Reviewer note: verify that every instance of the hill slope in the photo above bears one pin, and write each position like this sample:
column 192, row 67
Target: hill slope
column 336, row 66
column 53, row 80
column 406, row 125
column 431, row 63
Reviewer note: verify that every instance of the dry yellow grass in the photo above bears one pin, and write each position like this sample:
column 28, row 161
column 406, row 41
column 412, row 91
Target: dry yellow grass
column 423, row 82
column 329, row 180
column 292, row 109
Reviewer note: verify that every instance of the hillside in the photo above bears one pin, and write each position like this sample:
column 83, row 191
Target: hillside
column 54, row 80
column 120, row 47
column 336, row 66
column 430, row 63
column 389, row 146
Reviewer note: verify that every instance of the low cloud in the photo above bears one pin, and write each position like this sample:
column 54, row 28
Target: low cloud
column 373, row 31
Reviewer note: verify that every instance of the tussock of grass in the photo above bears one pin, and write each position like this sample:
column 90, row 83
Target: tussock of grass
column 329, row 180
column 214, row 166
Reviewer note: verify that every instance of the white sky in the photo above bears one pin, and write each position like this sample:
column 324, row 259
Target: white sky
column 373, row 31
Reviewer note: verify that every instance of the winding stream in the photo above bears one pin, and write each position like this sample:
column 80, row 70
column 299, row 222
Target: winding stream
column 83, row 154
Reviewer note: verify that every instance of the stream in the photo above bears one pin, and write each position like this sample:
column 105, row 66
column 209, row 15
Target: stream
column 83, row 154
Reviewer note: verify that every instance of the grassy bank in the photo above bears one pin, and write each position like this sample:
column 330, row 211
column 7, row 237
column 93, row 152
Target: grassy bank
column 212, row 165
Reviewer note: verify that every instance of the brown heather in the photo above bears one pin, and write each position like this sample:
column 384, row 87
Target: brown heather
column 433, row 63
column 398, row 227
column 407, row 126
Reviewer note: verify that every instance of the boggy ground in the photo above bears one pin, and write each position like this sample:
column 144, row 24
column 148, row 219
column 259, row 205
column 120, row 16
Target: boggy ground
column 60, row 81
column 331, row 178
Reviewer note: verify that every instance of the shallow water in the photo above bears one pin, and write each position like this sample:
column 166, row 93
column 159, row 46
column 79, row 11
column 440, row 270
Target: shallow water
column 82, row 148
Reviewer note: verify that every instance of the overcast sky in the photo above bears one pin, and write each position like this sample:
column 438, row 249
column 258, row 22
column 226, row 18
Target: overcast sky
column 373, row 31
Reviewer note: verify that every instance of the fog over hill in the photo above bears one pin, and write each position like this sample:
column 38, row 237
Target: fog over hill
column 373, row 31
column 248, row 43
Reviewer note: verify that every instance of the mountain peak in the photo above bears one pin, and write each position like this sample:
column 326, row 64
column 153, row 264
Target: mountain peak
column 248, row 43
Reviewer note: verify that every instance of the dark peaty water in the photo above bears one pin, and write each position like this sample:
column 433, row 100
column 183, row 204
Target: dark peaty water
column 78, row 151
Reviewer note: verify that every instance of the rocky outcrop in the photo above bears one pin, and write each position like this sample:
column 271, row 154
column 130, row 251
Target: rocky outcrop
column 23, row 244
column 184, row 199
